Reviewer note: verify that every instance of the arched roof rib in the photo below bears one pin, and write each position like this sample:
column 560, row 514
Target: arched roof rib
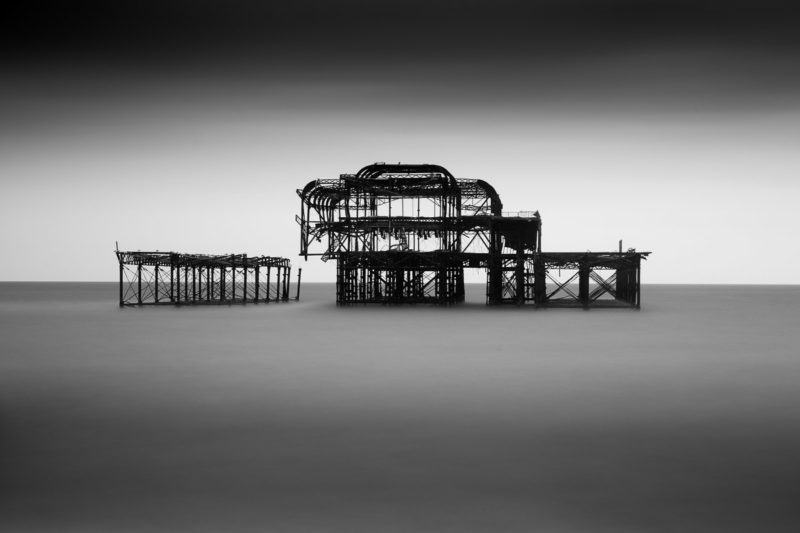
column 481, row 189
column 376, row 170
column 411, row 175
column 416, row 180
column 323, row 193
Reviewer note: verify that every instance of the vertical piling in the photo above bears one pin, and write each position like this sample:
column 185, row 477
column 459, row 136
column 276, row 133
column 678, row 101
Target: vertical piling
column 539, row 281
column 583, row 284
column 638, row 284
column 210, row 281
column 520, row 277
column 244, row 291
column 233, row 279
column 139, row 276
column 269, row 273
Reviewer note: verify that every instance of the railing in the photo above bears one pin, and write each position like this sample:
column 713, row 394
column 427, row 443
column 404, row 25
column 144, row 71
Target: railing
column 521, row 214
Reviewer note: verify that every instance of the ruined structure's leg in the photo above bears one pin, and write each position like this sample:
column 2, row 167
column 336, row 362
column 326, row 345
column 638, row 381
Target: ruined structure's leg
column 638, row 274
column 495, row 275
column 211, row 284
column 269, row 273
column 520, row 281
column 287, row 274
column 398, row 287
column 539, row 281
column 222, row 294
column 583, row 284
column 460, row 291
column 139, row 280
column 244, row 291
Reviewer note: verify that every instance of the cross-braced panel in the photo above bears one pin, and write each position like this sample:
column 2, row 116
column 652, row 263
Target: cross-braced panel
column 149, row 278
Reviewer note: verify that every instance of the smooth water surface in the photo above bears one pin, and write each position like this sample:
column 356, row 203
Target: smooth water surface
column 684, row 416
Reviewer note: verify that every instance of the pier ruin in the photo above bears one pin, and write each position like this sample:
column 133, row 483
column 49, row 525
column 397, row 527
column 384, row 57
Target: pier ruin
column 405, row 233
column 169, row 278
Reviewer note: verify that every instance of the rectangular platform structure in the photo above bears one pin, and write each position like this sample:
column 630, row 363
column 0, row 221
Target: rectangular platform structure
column 169, row 278
column 567, row 279
column 553, row 279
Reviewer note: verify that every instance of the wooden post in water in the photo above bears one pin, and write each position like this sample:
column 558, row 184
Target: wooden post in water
column 299, row 274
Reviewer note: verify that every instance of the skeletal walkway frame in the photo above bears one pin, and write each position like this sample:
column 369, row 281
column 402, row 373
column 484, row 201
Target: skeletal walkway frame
column 169, row 278
column 593, row 279
column 405, row 233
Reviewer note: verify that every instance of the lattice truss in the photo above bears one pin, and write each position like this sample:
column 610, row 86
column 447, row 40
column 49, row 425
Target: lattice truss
column 565, row 285
column 590, row 279
column 151, row 278
column 400, row 277
column 420, row 208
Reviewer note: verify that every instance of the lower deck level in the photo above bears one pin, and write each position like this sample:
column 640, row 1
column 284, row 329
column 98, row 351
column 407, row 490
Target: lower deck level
column 553, row 279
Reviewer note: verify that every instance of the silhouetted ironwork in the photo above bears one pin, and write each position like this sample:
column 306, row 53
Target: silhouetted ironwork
column 405, row 233
column 168, row 278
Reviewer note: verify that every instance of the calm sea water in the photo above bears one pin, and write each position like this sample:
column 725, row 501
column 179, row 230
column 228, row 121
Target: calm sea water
column 684, row 416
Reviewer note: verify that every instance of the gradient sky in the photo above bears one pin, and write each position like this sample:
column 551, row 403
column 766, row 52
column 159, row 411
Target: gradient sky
column 187, row 126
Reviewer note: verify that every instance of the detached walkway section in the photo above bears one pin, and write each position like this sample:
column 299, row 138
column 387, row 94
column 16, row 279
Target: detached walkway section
column 169, row 278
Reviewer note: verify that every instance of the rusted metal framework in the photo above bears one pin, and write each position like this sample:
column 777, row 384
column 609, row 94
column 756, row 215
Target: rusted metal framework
column 405, row 233
column 569, row 279
column 168, row 278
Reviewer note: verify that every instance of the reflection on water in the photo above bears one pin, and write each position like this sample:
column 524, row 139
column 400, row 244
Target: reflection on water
column 308, row 417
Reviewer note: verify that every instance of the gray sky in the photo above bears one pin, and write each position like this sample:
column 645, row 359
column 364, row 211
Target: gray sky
column 642, row 125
